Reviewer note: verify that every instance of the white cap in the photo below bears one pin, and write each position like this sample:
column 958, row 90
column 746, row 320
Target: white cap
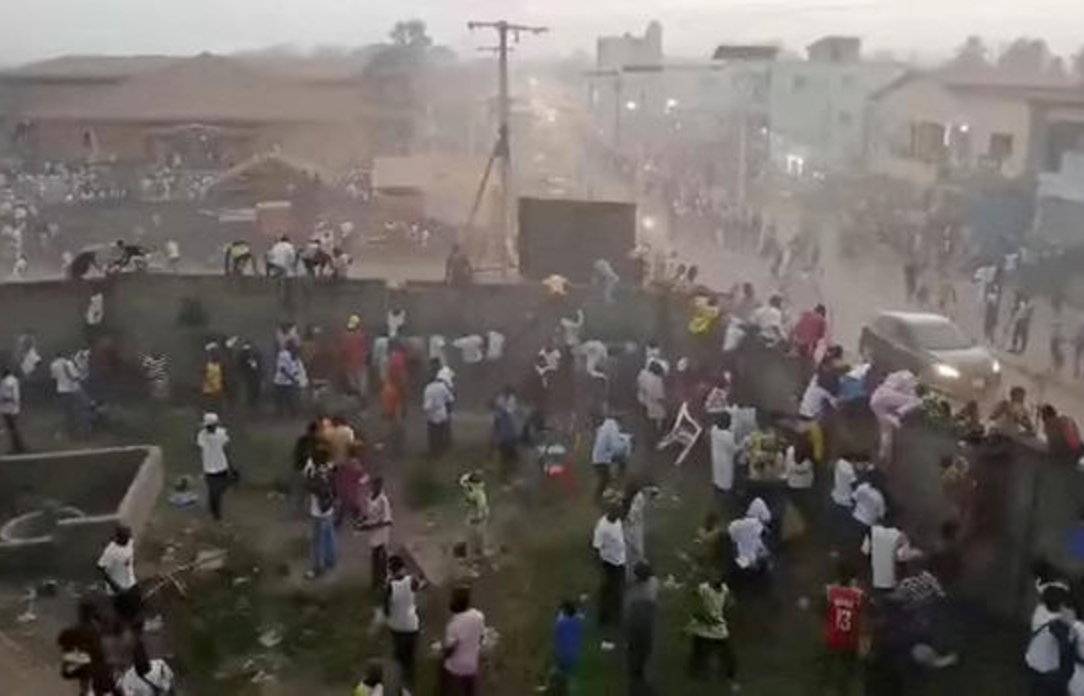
column 210, row 419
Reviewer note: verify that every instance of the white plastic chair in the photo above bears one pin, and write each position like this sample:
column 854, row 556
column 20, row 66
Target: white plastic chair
column 685, row 432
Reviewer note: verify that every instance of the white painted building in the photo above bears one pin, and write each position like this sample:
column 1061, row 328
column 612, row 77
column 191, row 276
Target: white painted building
column 817, row 110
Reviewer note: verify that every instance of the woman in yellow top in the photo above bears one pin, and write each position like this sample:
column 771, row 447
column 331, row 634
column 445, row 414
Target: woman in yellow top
column 213, row 381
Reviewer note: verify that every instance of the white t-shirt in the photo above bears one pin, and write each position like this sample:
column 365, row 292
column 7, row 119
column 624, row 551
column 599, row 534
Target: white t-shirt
column 379, row 512
column 884, row 546
column 395, row 322
column 118, row 562
column 651, row 393
column 799, row 474
column 212, row 447
column 571, row 329
column 815, row 401
column 66, row 375
column 723, row 449
column 843, row 480
column 10, row 396
column 609, row 541
column 747, row 534
column 470, row 347
column 595, row 354
column 283, row 255
column 173, row 250
column 869, row 505
column 402, row 605
column 436, row 347
column 436, row 399
column 464, row 636
column 494, row 345
column 159, row 675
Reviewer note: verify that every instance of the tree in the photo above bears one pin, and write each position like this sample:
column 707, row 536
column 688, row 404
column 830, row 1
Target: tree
column 1056, row 69
column 1078, row 65
column 410, row 33
column 1025, row 57
column 972, row 55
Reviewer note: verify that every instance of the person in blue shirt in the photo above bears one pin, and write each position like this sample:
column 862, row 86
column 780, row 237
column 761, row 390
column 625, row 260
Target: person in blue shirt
column 568, row 645
column 611, row 447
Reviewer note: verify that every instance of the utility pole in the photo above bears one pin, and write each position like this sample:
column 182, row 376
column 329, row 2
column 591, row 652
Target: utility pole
column 503, row 149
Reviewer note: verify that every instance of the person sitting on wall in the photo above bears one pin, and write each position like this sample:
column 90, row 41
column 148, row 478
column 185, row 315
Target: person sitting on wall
column 238, row 256
column 127, row 257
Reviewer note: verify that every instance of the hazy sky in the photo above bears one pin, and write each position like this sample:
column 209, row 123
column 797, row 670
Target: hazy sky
column 33, row 29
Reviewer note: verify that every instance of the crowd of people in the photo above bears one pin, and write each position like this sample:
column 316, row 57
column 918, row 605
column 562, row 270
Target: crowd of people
column 777, row 478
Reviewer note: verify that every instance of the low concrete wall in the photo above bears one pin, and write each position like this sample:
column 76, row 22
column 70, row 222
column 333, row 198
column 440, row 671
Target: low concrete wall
column 111, row 486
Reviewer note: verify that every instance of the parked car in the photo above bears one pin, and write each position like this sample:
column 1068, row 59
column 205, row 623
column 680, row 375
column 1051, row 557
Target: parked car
column 935, row 349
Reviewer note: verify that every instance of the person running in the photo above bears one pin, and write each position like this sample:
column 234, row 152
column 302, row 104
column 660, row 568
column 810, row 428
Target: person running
column 843, row 626
column 213, row 441
column 401, row 609
column 711, row 633
column 378, row 522
column 10, row 408
column 117, row 568
column 610, row 448
column 462, row 646
column 437, row 402
column 609, row 544
column 724, row 450
column 640, row 611
column 567, row 646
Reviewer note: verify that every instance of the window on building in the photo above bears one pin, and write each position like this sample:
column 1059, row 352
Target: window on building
column 1000, row 146
column 928, row 141
column 800, row 83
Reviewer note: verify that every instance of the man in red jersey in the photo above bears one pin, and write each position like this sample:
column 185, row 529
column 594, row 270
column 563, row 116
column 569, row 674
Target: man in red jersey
column 846, row 604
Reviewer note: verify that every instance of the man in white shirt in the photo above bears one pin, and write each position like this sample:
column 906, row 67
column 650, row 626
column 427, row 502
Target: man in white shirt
column 212, row 440
column 69, row 390
column 437, row 400
column 844, row 477
column 724, row 449
column 651, row 393
column 869, row 504
column 470, row 348
column 281, row 258
column 462, row 645
column 769, row 321
column 289, row 379
column 609, row 543
column 117, row 567
column 747, row 535
column 570, row 328
column 886, row 547
column 10, row 407
column 378, row 522
column 816, row 400
column 401, row 609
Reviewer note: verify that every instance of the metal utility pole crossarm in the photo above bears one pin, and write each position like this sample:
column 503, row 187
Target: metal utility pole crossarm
column 503, row 148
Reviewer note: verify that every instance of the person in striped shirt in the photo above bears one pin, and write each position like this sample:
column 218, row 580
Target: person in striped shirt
column 156, row 370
